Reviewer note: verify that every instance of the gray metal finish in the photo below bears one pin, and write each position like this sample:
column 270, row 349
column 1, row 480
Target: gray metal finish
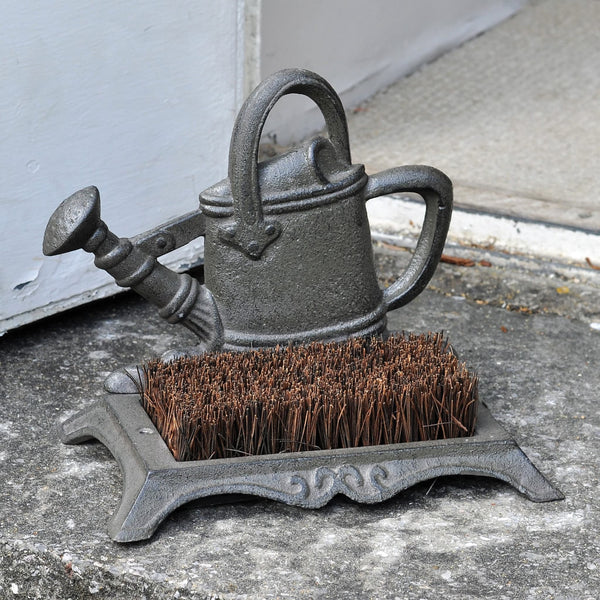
column 155, row 484
column 288, row 258
column 288, row 253
column 171, row 235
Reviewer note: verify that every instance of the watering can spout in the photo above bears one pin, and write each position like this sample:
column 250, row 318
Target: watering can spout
column 76, row 224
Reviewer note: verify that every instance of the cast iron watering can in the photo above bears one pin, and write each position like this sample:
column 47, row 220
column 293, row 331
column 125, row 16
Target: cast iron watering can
column 287, row 246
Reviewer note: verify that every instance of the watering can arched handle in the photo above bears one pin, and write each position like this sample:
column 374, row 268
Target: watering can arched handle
column 436, row 190
column 250, row 231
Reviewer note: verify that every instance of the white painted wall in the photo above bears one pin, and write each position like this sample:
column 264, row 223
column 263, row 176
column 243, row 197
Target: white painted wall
column 137, row 98
column 362, row 46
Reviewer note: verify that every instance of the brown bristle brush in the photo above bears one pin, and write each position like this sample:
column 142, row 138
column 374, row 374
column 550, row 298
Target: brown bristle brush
column 361, row 392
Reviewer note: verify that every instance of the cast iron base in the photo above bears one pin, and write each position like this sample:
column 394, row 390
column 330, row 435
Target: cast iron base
column 155, row 484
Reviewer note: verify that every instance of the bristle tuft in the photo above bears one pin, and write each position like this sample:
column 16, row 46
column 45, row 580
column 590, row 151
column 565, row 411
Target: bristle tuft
column 361, row 392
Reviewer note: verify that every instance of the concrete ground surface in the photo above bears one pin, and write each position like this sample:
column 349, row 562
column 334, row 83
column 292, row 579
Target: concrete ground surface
column 535, row 349
column 528, row 322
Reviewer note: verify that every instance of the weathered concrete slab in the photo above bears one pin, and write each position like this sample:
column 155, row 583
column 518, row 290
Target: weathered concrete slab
column 457, row 538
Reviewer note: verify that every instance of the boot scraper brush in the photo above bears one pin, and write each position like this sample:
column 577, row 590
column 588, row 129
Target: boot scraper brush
column 288, row 268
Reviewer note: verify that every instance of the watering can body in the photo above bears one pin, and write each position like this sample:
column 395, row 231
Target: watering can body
column 287, row 252
column 316, row 280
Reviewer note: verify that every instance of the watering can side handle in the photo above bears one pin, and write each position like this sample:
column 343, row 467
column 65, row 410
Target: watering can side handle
column 436, row 190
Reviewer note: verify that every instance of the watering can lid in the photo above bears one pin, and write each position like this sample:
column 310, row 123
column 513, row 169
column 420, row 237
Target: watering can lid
column 311, row 173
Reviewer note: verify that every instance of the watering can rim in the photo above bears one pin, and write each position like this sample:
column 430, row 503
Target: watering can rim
column 312, row 182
